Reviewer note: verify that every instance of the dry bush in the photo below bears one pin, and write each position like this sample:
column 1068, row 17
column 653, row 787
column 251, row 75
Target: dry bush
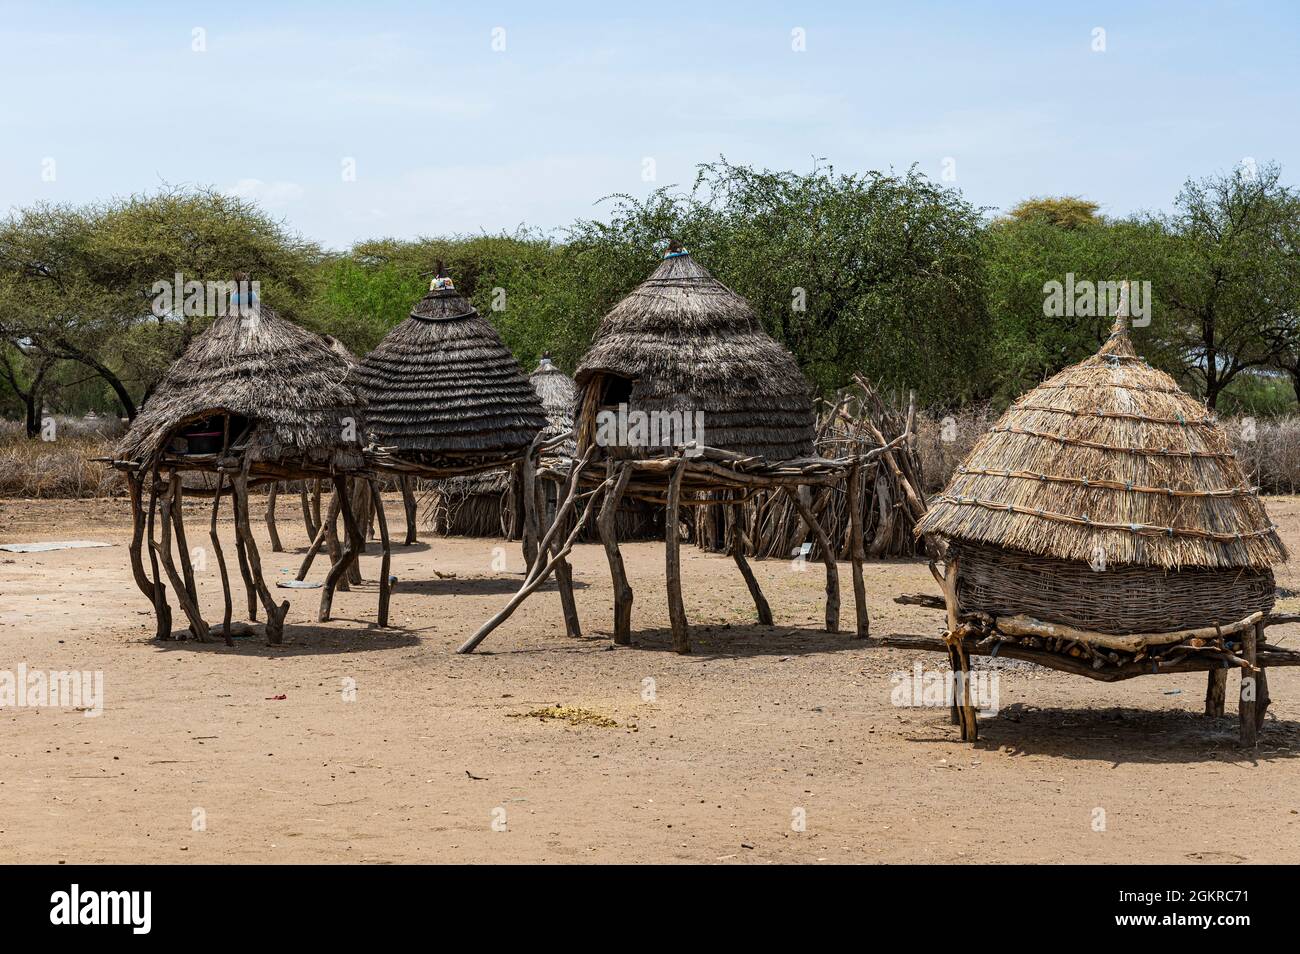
column 58, row 468
column 1269, row 451
column 944, row 439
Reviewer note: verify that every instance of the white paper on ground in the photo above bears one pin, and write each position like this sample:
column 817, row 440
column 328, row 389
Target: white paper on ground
column 51, row 545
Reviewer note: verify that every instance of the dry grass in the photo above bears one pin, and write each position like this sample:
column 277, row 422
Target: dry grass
column 60, row 468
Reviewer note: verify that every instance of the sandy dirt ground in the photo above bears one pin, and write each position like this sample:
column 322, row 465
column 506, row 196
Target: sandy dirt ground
column 719, row 756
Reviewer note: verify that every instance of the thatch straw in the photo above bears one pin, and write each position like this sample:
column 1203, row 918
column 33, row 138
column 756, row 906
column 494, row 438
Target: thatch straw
column 559, row 397
column 689, row 343
column 1109, row 458
column 288, row 381
column 443, row 382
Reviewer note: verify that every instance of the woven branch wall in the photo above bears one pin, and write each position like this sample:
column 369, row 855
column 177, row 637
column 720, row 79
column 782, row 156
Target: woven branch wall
column 1115, row 600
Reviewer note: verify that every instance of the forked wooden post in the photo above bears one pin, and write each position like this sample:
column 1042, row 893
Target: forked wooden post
column 857, row 553
column 250, row 591
column 828, row 558
column 673, row 560
column 607, row 525
column 274, row 614
column 308, row 520
column 962, row 712
column 221, row 560
column 182, row 542
column 408, row 505
column 737, row 545
column 347, row 554
column 137, row 536
column 271, row 495
column 162, row 610
column 564, row 572
column 332, row 544
column 164, row 549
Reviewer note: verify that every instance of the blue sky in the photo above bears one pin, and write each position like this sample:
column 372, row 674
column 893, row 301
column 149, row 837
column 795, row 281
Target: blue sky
column 450, row 135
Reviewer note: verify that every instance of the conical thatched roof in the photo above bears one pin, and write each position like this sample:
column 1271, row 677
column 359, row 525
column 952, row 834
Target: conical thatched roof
column 559, row 396
column 286, row 380
column 688, row 342
column 443, row 382
column 1108, row 457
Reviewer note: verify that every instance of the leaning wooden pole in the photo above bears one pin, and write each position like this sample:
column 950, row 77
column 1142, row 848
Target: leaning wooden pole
column 308, row 522
column 142, row 580
column 164, row 549
column 857, row 553
column 828, row 558
column 673, row 560
column 540, row 572
column 385, row 588
column 738, row 554
column 221, row 562
column 564, row 575
column 182, row 542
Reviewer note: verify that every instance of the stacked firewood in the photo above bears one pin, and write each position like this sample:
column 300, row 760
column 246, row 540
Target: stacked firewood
column 890, row 493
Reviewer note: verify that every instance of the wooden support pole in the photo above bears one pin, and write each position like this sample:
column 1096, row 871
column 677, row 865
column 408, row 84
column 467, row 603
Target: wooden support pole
column 607, row 526
column 564, row 573
column 241, row 551
column 737, row 544
column 315, row 502
column 333, row 546
column 308, row 521
column 673, row 561
column 274, row 614
column 182, row 542
column 346, row 555
column 271, row 495
column 322, row 534
column 828, row 557
column 385, row 587
column 857, row 553
column 1216, row 690
column 528, row 503
column 142, row 580
column 197, row 626
column 962, row 696
column 408, row 505
column 162, row 611
column 948, row 583
column 221, row 563
column 1248, row 700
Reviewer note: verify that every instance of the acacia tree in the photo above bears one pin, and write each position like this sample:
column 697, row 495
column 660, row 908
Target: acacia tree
column 1229, row 273
column 80, row 280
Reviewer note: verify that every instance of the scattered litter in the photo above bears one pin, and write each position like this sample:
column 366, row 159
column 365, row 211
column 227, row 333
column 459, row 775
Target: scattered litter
column 51, row 545
column 477, row 778
column 574, row 715
column 278, row 698
column 297, row 585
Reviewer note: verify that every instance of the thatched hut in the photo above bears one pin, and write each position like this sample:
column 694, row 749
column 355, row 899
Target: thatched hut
column 444, row 394
column 1104, row 525
column 254, row 399
column 687, row 401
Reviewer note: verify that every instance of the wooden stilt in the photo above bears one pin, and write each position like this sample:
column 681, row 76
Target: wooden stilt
column 346, row 555
column 274, row 614
column 315, row 502
column 737, row 543
column 948, row 582
column 334, row 547
column 1248, row 701
column 309, row 524
column 221, row 562
column 271, row 495
column 162, row 611
column 857, row 553
column 1216, row 689
column 828, row 557
column 969, row 717
column 673, row 560
column 164, row 549
column 564, row 573
column 607, row 526
column 361, row 514
column 322, row 534
column 528, row 503
column 408, row 505
column 183, row 547
column 241, row 551
column 385, row 589
column 136, row 492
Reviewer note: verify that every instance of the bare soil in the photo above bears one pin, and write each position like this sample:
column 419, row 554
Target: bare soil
column 711, row 757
